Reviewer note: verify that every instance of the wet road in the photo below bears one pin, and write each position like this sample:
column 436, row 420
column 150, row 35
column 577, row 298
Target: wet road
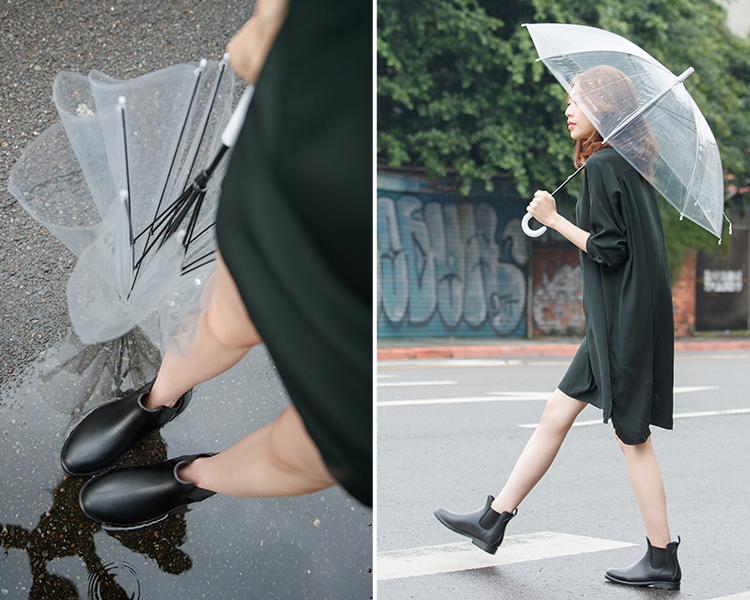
column 314, row 546
column 38, row 39
column 449, row 432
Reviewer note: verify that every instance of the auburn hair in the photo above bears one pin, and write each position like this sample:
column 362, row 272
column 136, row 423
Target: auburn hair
column 607, row 91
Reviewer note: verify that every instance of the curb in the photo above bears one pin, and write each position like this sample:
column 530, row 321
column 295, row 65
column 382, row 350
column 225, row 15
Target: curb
column 537, row 350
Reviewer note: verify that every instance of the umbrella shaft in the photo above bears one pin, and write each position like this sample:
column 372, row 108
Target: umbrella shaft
column 567, row 181
column 215, row 162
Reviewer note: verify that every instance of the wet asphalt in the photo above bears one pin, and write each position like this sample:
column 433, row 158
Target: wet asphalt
column 314, row 546
column 460, row 451
column 37, row 40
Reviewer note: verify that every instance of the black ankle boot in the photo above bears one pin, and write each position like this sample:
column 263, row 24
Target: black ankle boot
column 485, row 527
column 658, row 568
column 107, row 433
column 137, row 496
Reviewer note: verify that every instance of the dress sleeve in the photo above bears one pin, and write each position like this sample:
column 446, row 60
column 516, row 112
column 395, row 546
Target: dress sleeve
column 607, row 243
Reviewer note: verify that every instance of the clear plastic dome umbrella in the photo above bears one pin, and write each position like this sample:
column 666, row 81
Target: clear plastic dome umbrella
column 129, row 181
column 643, row 111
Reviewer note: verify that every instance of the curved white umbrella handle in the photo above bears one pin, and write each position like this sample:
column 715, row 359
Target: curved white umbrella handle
column 534, row 233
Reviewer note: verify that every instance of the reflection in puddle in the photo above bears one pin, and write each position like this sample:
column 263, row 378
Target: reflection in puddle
column 315, row 546
column 64, row 531
column 72, row 378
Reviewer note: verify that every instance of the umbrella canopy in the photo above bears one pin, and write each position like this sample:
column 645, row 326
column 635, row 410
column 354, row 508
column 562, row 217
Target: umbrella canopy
column 643, row 111
column 112, row 181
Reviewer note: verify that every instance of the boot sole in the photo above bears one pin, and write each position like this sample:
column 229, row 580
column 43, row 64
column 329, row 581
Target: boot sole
column 181, row 510
column 659, row 585
column 474, row 540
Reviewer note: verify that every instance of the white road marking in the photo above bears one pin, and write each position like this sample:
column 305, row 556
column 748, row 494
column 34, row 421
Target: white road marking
column 462, row 556
column 443, row 363
column 695, row 388
column 677, row 390
column 740, row 596
column 508, row 397
column 432, row 363
column 712, row 356
column 705, row 413
column 406, row 383
column 495, row 397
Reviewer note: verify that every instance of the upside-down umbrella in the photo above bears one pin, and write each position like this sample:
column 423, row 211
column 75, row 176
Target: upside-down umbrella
column 681, row 158
column 129, row 181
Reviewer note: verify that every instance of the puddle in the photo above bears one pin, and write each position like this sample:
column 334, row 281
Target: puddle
column 313, row 546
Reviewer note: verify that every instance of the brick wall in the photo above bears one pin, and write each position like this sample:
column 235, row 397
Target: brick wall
column 683, row 298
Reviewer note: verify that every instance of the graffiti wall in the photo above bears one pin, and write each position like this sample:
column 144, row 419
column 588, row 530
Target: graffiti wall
column 449, row 265
column 557, row 299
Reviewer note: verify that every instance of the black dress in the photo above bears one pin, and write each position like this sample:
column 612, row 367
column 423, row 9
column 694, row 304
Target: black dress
column 295, row 225
column 625, row 365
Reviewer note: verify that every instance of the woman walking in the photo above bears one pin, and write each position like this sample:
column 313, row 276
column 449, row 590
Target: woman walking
column 625, row 364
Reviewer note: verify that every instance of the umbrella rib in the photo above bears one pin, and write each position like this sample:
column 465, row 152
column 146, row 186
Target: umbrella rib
column 633, row 116
column 121, row 106
column 673, row 171
column 190, row 268
column 152, row 226
column 159, row 220
column 655, row 62
column 689, row 187
column 179, row 139
column 206, row 112
column 203, row 231
column 189, row 198
column 194, row 238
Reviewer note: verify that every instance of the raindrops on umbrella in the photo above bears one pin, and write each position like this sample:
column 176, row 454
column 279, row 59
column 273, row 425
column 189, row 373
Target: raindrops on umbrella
column 129, row 181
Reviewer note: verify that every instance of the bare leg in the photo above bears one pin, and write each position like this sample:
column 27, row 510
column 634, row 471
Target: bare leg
column 225, row 335
column 648, row 487
column 279, row 459
column 540, row 451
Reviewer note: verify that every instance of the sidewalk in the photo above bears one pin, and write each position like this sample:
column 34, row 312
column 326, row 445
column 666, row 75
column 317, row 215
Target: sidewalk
column 522, row 348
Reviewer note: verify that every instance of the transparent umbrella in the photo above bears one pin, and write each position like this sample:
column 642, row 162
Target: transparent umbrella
column 129, row 181
column 643, row 111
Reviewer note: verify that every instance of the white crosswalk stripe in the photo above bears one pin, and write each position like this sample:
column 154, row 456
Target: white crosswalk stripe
column 462, row 556
column 490, row 397
column 503, row 397
column 415, row 383
column 690, row 415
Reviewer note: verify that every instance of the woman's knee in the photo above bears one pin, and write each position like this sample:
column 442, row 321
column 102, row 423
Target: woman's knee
column 292, row 450
column 226, row 320
column 632, row 449
column 560, row 412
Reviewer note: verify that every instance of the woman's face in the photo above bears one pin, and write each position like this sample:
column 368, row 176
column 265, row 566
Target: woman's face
column 578, row 123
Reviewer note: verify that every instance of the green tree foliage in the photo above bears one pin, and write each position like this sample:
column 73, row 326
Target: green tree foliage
column 459, row 88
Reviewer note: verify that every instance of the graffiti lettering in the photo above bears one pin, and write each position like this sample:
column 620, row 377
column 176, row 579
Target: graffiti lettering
column 443, row 259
